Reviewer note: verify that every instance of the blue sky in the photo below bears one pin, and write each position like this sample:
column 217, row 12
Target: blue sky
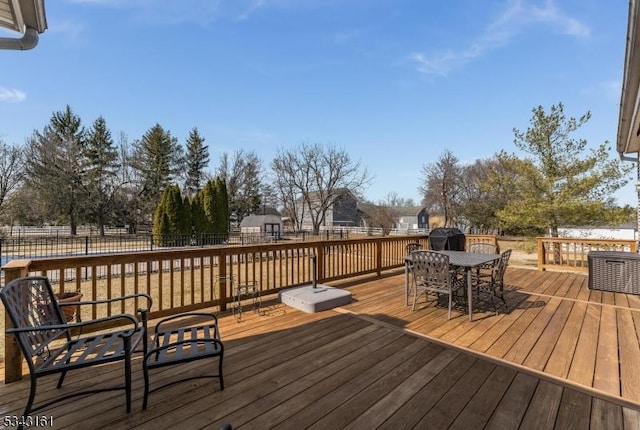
column 394, row 82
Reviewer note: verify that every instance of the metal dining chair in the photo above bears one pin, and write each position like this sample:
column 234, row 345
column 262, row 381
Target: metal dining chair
column 494, row 284
column 432, row 274
column 483, row 248
column 409, row 248
column 484, row 271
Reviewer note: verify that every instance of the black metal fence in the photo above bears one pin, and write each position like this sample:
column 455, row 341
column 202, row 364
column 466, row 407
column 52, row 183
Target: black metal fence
column 66, row 245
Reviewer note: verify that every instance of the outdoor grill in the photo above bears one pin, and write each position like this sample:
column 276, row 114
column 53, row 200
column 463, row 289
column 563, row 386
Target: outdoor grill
column 451, row 239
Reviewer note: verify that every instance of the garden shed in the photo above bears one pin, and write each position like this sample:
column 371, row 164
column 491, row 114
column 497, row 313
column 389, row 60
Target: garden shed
column 270, row 225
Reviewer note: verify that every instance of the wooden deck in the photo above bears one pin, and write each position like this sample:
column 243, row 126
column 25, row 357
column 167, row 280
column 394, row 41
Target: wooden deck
column 561, row 356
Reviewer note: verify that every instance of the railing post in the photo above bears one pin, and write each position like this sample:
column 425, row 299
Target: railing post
column 379, row 256
column 12, row 355
column 320, row 263
column 541, row 254
column 222, row 277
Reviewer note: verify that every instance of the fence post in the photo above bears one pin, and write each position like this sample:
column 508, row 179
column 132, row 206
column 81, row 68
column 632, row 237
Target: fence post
column 12, row 355
column 86, row 245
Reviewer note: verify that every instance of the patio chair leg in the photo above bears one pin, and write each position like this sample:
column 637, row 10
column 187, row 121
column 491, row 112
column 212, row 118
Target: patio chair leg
column 145, row 371
column 32, row 396
column 493, row 302
column 220, row 372
column 61, row 380
column 127, row 371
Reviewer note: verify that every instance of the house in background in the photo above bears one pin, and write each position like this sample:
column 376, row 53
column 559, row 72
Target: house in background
column 342, row 212
column 413, row 219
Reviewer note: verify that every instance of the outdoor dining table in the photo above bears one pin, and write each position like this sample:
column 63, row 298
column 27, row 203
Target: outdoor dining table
column 462, row 259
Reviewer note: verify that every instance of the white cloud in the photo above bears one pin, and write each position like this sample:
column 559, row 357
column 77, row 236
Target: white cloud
column 71, row 30
column 251, row 8
column 609, row 89
column 9, row 95
column 515, row 18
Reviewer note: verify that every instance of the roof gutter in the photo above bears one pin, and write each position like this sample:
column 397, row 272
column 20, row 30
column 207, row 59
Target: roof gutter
column 624, row 157
column 627, row 122
column 28, row 41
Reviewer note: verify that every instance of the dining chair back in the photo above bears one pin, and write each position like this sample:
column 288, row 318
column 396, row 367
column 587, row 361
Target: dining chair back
column 432, row 274
column 413, row 246
column 494, row 285
column 483, row 248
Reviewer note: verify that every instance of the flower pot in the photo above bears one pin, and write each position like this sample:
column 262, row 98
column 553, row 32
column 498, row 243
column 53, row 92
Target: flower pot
column 69, row 311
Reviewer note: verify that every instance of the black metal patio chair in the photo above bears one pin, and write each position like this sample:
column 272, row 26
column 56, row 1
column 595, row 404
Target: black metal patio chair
column 50, row 345
column 493, row 285
column 433, row 274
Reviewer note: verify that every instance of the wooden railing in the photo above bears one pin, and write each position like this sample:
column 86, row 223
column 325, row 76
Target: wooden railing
column 188, row 279
column 571, row 254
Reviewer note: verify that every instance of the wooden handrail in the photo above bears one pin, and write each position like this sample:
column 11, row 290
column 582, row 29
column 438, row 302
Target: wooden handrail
column 572, row 254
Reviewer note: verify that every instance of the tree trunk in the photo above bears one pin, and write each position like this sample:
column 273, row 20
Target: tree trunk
column 72, row 224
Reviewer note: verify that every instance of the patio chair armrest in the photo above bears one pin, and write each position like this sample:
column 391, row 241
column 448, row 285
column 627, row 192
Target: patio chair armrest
column 148, row 298
column 132, row 319
column 200, row 316
column 216, row 341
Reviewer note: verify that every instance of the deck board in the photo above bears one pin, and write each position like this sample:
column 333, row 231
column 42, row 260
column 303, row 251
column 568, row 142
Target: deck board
column 607, row 370
column 574, row 411
column 480, row 408
column 513, row 405
column 560, row 360
column 451, row 405
column 543, row 409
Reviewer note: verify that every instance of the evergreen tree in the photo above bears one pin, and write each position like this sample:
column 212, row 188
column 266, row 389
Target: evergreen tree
column 215, row 202
column 164, row 231
column 563, row 183
column 160, row 222
column 173, row 209
column 157, row 161
column 186, row 226
column 201, row 227
column 196, row 159
column 172, row 218
column 56, row 167
column 209, row 206
column 102, row 179
column 221, row 202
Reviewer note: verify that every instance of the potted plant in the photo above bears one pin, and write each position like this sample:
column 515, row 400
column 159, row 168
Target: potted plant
column 67, row 297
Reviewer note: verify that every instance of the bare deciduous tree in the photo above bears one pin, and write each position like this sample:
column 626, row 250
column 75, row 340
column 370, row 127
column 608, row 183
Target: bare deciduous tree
column 242, row 173
column 441, row 189
column 11, row 169
column 309, row 177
